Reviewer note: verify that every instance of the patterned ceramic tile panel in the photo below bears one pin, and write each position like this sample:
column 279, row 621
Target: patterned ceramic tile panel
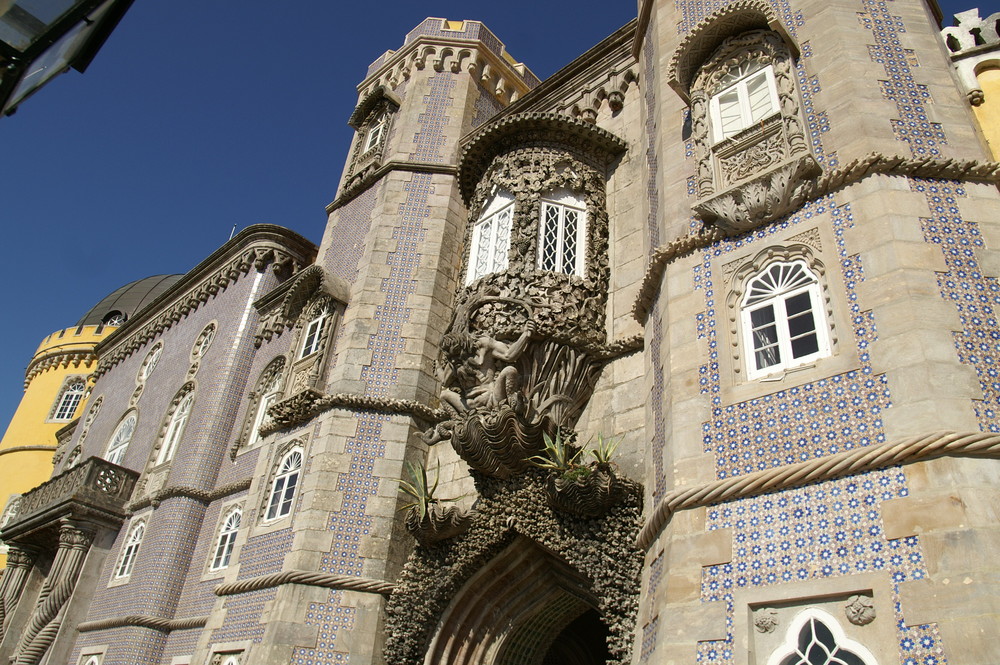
column 265, row 554
column 243, row 617
column 347, row 241
column 975, row 296
column 430, row 144
column 180, row 643
column 351, row 523
column 333, row 620
column 827, row 530
column 128, row 646
column 911, row 98
column 486, row 106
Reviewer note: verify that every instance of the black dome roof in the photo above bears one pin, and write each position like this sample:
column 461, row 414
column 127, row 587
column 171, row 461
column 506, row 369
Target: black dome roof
column 127, row 300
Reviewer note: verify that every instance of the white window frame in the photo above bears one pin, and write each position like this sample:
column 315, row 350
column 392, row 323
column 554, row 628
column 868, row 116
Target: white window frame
column 122, row 437
column 790, row 645
column 374, row 133
column 489, row 250
column 313, row 337
column 69, row 399
column 747, row 118
column 175, row 428
column 562, row 203
column 269, row 395
column 224, row 544
column 130, row 550
column 285, row 485
column 787, row 286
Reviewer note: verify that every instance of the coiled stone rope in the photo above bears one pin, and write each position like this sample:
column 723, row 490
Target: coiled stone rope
column 854, row 171
column 326, row 580
column 142, row 621
column 850, row 462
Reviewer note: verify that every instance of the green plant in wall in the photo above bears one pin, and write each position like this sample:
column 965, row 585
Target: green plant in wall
column 426, row 519
column 578, row 487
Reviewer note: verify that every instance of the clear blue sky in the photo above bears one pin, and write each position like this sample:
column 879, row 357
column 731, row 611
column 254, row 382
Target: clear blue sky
column 186, row 124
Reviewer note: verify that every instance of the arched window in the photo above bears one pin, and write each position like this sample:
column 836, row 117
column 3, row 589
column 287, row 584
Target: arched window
column 782, row 318
column 562, row 233
column 131, row 550
column 69, row 399
column 748, row 95
column 121, row 438
column 175, row 428
column 227, row 538
column 114, row 318
column 92, row 660
column 269, row 393
column 279, row 503
column 490, row 248
column 150, row 361
column 204, row 341
column 815, row 638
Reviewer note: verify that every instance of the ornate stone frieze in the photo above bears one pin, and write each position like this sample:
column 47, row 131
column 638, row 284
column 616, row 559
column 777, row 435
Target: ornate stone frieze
column 254, row 248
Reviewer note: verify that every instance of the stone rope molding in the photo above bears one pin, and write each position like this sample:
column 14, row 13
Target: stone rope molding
column 143, row 621
column 201, row 496
column 855, row 171
column 325, row 580
column 850, row 462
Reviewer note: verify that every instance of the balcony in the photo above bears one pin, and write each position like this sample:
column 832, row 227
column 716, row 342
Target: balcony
column 95, row 490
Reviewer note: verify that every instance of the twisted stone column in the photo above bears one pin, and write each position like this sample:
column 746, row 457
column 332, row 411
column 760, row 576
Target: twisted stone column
column 74, row 543
column 19, row 564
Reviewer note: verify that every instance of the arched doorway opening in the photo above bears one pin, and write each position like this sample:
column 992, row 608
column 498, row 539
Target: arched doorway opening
column 526, row 607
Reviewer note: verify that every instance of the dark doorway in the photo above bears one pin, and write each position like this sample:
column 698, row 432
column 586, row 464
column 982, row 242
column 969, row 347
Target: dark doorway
column 583, row 642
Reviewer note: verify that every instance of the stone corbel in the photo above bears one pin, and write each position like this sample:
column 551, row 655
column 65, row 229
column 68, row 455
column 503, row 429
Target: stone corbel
column 758, row 200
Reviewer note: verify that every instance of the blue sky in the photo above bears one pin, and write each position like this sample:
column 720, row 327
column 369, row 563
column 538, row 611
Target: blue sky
column 186, row 124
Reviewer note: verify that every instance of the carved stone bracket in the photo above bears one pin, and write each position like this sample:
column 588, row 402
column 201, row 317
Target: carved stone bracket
column 759, row 199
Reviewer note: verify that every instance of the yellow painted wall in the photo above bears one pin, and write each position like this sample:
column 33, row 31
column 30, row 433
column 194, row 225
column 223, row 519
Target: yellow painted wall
column 988, row 113
column 30, row 440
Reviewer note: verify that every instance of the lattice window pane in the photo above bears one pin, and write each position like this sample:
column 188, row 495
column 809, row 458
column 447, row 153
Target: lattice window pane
column 571, row 229
column 549, row 241
column 816, row 645
column 501, row 247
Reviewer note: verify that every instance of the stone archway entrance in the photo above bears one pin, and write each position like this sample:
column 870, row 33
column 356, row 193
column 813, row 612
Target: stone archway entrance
column 526, row 607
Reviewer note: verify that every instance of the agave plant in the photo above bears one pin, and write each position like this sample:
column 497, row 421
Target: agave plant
column 420, row 489
column 605, row 449
column 560, row 456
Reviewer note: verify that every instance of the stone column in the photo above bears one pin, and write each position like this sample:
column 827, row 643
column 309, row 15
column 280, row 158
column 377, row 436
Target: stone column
column 19, row 564
column 74, row 543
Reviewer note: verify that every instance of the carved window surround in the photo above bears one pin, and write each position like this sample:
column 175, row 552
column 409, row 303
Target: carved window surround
column 530, row 156
column 266, row 392
column 372, row 118
column 752, row 177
